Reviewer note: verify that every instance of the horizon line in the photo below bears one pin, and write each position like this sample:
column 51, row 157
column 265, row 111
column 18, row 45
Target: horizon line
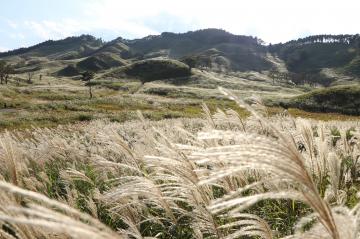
column 153, row 35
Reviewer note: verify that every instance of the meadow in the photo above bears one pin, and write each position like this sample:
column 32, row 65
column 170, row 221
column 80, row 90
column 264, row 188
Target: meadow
column 50, row 101
column 167, row 137
column 222, row 175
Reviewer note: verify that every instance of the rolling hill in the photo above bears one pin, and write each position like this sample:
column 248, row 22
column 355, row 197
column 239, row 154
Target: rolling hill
column 152, row 69
column 213, row 48
column 314, row 54
column 338, row 99
column 169, row 75
column 216, row 48
column 209, row 48
column 66, row 49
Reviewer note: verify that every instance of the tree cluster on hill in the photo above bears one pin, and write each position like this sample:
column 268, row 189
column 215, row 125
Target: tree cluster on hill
column 196, row 61
column 346, row 39
column 182, row 44
column 314, row 53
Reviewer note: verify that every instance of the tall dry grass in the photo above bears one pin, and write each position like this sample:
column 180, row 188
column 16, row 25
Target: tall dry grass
column 217, row 177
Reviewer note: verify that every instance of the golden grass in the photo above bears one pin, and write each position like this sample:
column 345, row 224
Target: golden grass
column 183, row 178
column 313, row 115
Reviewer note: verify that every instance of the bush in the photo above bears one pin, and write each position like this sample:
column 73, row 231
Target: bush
column 85, row 117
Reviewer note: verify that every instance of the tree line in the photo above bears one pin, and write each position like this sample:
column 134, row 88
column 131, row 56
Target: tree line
column 347, row 39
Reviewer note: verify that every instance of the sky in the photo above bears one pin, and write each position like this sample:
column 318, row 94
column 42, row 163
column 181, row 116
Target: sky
column 27, row 22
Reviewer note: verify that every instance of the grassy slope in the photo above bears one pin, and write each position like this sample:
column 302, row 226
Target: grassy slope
column 353, row 67
column 340, row 99
column 314, row 60
column 315, row 56
column 68, row 48
column 158, row 69
column 151, row 70
column 53, row 101
column 99, row 167
column 119, row 92
column 213, row 45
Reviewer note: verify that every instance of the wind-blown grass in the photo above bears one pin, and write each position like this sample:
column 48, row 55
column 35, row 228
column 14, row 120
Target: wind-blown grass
column 187, row 178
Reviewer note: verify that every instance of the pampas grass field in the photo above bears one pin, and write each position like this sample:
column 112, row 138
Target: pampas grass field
column 221, row 176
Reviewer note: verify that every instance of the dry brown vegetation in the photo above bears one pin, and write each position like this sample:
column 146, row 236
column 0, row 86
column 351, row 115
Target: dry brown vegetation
column 216, row 177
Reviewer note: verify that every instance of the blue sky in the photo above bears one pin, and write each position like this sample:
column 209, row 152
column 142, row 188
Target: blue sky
column 27, row 22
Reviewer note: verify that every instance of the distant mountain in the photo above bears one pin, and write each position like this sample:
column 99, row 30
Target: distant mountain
column 68, row 48
column 314, row 53
column 305, row 59
column 213, row 47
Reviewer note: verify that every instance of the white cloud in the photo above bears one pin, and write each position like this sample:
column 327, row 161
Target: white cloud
column 47, row 29
column 3, row 49
column 273, row 21
column 17, row 36
column 12, row 24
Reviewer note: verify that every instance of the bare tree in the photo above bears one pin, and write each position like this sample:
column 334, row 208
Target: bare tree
column 88, row 76
column 30, row 75
column 5, row 71
column 2, row 68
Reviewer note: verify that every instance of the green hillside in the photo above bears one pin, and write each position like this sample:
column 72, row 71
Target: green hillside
column 353, row 67
column 153, row 69
column 212, row 48
column 100, row 61
column 341, row 99
column 192, row 65
column 68, row 48
column 116, row 47
column 217, row 48
column 69, row 71
column 313, row 53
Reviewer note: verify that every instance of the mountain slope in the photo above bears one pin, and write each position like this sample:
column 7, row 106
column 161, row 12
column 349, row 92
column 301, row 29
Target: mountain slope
column 213, row 46
column 306, row 60
column 314, row 53
column 341, row 99
column 68, row 48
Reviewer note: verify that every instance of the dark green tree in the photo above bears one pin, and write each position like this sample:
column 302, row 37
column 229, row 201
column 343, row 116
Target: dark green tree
column 190, row 61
